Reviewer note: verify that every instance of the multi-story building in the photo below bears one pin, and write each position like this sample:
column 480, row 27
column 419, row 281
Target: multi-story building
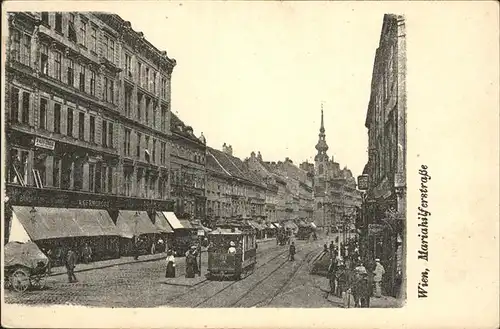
column 87, row 114
column 299, row 185
column 335, row 194
column 233, row 191
column 385, row 206
column 187, row 167
column 272, row 182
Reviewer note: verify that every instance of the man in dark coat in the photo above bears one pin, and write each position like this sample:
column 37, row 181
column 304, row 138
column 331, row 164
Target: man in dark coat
column 191, row 264
column 292, row 251
column 332, row 270
column 135, row 246
column 70, row 265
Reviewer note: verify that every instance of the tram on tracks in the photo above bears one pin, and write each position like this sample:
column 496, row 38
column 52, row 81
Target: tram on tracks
column 232, row 252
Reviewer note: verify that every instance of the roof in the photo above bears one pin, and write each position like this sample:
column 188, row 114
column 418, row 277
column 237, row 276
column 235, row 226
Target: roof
column 178, row 127
column 130, row 223
column 213, row 165
column 232, row 166
column 48, row 223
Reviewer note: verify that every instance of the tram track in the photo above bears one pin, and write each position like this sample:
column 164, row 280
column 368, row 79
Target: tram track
column 208, row 282
column 307, row 260
column 281, row 289
column 236, row 282
column 255, row 285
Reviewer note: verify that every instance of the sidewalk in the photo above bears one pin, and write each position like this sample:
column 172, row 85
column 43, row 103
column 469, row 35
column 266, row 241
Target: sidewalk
column 382, row 302
column 61, row 270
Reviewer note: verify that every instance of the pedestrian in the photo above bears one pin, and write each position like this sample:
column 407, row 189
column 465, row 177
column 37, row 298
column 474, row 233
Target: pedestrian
column 325, row 248
column 153, row 247
column 49, row 263
column 292, row 251
column 332, row 269
column 341, row 278
column 135, row 246
column 161, row 246
column 378, row 274
column 170, row 272
column 70, row 265
column 191, row 265
column 86, row 253
column 360, row 282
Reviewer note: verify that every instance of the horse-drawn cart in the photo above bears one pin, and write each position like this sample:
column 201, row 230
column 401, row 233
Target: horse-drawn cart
column 25, row 266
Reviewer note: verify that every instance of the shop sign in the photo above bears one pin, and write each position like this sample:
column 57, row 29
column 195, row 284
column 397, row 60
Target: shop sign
column 45, row 143
column 201, row 233
column 94, row 204
column 363, row 182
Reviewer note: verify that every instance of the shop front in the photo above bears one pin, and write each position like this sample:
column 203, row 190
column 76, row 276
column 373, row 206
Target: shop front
column 137, row 232
column 55, row 230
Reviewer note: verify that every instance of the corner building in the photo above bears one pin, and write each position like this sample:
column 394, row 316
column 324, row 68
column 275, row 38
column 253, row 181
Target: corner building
column 384, row 223
column 87, row 114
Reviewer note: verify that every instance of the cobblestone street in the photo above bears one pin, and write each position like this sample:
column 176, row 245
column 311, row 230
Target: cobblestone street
column 276, row 282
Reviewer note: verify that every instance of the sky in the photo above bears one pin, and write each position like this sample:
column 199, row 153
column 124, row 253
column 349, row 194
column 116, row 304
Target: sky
column 253, row 75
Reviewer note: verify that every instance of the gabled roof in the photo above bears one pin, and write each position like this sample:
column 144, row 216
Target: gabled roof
column 213, row 165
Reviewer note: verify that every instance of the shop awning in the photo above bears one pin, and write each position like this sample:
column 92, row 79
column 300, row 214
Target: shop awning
column 199, row 226
column 277, row 225
column 173, row 220
column 50, row 223
column 186, row 224
column 162, row 224
column 255, row 225
column 130, row 223
column 313, row 225
column 290, row 225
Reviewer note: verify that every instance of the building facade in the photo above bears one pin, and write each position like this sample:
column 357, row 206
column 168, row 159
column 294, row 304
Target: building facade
column 385, row 206
column 187, row 167
column 299, row 185
column 233, row 191
column 335, row 195
column 87, row 113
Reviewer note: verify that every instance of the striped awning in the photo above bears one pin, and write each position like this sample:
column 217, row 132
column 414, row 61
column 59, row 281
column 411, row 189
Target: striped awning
column 162, row 224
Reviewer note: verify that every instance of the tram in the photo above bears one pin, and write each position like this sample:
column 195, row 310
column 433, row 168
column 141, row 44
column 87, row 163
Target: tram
column 223, row 264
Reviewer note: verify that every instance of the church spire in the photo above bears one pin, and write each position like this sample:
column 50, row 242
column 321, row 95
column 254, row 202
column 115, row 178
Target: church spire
column 321, row 146
column 322, row 128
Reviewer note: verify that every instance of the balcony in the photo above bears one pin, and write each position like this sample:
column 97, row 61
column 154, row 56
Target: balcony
column 110, row 65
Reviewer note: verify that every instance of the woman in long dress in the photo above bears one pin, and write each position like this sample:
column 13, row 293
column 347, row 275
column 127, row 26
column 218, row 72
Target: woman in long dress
column 170, row 272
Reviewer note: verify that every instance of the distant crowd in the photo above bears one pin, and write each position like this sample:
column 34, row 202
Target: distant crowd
column 349, row 277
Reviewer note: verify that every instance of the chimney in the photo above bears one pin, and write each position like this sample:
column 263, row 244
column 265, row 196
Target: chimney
column 230, row 150
column 252, row 155
column 259, row 156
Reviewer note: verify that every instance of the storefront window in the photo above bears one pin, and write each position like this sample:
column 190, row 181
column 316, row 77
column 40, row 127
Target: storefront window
column 18, row 168
column 66, row 164
column 39, row 170
column 91, row 177
column 78, row 175
column 56, row 172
